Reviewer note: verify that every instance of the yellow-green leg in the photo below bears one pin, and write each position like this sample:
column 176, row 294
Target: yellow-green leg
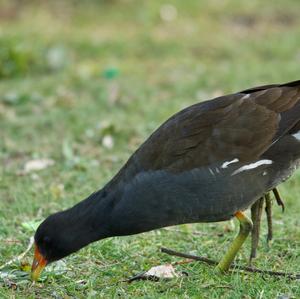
column 269, row 217
column 256, row 213
column 245, row 228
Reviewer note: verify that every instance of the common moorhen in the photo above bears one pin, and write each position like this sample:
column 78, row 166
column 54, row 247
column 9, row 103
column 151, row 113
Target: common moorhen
column 207, row 163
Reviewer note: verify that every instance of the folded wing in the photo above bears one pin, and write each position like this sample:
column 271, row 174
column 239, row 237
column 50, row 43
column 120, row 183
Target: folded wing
column 238, row 126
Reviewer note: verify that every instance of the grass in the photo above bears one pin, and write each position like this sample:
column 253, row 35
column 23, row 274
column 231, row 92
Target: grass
column 76, row 73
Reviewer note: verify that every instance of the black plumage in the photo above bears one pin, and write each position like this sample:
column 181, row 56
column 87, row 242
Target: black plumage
column 206, row 163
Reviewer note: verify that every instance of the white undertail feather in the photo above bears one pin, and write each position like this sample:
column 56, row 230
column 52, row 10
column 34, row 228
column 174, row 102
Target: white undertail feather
column 297, row 135
column 252, row 166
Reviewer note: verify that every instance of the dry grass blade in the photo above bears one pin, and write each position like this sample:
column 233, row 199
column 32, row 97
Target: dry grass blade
column 21, row 256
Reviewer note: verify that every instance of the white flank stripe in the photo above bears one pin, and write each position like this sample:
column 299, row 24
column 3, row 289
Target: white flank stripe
column 225, row 164
column 297, row 135
column 252, row 166
column 247, row 96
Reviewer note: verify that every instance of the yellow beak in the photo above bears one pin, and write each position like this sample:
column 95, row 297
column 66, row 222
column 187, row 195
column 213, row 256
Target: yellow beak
column 38, row 264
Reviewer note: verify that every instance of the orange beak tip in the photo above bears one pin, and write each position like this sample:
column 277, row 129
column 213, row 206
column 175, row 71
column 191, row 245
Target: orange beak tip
column 38, row 264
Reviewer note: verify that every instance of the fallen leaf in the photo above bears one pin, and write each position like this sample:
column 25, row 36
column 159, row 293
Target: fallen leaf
column 108, row 141
column 162, row 271
column 156, row 273
column 37, row 164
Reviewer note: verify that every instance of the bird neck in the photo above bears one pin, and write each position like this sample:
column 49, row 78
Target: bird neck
column 91, row 217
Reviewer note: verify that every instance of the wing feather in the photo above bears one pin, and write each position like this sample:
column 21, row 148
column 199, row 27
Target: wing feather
column 241, row 126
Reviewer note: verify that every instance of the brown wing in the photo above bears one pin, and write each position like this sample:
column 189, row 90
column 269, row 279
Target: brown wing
column 242, row 126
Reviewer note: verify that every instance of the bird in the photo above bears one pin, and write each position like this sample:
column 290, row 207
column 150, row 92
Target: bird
column 207, row 163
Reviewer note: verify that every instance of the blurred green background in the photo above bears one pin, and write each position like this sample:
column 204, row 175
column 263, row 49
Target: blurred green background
column 82, row 84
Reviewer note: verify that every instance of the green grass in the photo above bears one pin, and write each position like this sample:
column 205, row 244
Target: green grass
column 73, row 74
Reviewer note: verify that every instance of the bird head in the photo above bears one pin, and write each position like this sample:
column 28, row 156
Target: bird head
column 51, row 243
column 66, row 232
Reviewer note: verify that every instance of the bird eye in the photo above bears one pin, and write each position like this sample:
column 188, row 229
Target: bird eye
column 46, row 240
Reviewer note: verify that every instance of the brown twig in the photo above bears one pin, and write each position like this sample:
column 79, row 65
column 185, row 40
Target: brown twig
column 232, row 267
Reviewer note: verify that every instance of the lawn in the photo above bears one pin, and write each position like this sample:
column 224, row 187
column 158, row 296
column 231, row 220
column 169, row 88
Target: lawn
column 82, row 84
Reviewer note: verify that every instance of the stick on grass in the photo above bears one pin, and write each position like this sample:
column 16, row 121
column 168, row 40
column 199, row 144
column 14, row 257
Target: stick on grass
column 233, row 267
